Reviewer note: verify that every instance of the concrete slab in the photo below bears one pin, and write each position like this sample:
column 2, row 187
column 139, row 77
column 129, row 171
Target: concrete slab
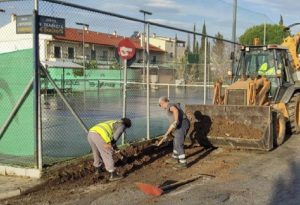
column 20, row 171
column 15, row 186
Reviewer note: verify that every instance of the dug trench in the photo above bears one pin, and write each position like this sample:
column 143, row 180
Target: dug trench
column 141, row 162
column 126, row 160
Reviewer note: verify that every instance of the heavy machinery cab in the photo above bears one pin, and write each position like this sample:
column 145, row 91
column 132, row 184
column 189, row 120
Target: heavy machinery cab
column 272, row 62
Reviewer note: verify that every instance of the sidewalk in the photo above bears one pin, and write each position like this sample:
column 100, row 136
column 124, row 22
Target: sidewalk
column 15, row 186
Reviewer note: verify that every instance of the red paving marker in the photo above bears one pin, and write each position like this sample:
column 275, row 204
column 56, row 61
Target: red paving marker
column 150, row 189
column 157, row 191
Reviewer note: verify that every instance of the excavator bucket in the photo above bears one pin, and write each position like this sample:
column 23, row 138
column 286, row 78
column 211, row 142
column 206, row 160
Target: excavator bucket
column 236, row 126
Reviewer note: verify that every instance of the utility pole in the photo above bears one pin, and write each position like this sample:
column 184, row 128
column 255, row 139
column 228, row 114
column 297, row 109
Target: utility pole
column 84, row 27
column 234, row 9
column 143, row 40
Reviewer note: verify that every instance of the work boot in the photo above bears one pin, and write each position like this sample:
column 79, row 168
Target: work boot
column 172, row 160
column 180, row 165
column 99, row 170
column 114, row 177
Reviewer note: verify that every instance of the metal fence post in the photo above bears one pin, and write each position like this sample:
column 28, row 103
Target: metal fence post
column 148, row 86
column 124, row 95
column 205, row 69
column 168, row 91
column 36, row 87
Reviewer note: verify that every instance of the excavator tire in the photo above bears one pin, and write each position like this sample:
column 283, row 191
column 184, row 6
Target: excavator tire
column 294, row 114
column 280, row 129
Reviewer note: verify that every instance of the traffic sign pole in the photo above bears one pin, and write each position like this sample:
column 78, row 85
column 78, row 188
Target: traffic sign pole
column 124, row 94
column 126, row 51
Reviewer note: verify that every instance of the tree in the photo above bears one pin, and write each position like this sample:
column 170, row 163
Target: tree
column 281, row 21
column 194, row 39
column 220, row 62
column 202, row 47
column 219, row 45
column 274, row 34
column 197, row 48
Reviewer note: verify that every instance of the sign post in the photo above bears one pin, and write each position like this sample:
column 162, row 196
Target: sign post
column 126, row 50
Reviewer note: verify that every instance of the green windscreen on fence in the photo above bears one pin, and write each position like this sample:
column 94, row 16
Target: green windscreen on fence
column 17, row 144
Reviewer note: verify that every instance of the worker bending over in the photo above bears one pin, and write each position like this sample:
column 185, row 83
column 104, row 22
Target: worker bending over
column 102, row 139
column 179, row 126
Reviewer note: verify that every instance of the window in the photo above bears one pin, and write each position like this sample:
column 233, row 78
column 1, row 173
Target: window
column 104, row 55
column 153, row 59
column 251, row 62
column 57, row 51
column 282, row 65
column 93, row 54
column 70, row 53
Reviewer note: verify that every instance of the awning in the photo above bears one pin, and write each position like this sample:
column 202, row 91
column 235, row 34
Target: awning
column 61, row 64
column 140, row 65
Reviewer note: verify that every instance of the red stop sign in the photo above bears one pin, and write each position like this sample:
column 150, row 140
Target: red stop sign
column 126, row 49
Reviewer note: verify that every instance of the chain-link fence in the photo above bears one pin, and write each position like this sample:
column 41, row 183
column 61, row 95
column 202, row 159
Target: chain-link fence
column 82, row 77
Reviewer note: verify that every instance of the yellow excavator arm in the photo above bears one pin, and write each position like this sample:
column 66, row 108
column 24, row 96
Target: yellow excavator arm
column 292, row 43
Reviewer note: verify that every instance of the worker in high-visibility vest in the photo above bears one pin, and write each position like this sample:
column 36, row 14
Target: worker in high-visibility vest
column 102, row 139
column 264, row 69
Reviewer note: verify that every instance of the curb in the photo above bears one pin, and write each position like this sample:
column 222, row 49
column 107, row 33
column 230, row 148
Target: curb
column 10, row 194
column 22, row 191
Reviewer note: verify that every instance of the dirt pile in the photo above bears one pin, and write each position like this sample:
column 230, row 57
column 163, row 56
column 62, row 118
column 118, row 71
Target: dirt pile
column 227, row 128
column 126, row 160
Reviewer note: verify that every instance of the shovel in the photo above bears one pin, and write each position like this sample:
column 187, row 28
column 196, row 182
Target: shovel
column 164, row 138
column 159, row 190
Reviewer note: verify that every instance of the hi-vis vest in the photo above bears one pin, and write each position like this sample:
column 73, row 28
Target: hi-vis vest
column 105, row 130
column 264, row 70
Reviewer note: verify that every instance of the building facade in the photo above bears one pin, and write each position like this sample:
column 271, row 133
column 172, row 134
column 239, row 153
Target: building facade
column 174, row 48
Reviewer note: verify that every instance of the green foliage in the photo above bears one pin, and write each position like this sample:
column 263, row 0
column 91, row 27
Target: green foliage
column 115, row 65
column 194, row 39
column 78, row 72
column 274, row 34
column 92, row 64
column 193, row 58
column 202, row 47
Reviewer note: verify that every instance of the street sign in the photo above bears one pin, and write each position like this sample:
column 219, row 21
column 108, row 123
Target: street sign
column 24, row 24
column 126, row 49
column 51, row 25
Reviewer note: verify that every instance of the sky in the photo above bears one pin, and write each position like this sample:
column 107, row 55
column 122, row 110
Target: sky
column 217, row 14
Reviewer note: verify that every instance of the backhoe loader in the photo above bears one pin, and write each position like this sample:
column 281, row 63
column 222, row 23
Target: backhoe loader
column 260, row 108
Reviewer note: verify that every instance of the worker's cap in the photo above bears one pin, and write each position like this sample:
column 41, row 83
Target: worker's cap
column 126, row 122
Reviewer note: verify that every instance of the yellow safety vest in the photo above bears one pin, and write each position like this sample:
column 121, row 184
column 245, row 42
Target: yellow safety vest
column 105, row 130
column 264, row 70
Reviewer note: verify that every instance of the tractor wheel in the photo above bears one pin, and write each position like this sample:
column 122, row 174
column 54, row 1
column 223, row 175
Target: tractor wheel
column 280, row 128
column 294, row 114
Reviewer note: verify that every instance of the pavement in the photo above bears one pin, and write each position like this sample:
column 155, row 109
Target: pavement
column 269, row 178
column 11, row 186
